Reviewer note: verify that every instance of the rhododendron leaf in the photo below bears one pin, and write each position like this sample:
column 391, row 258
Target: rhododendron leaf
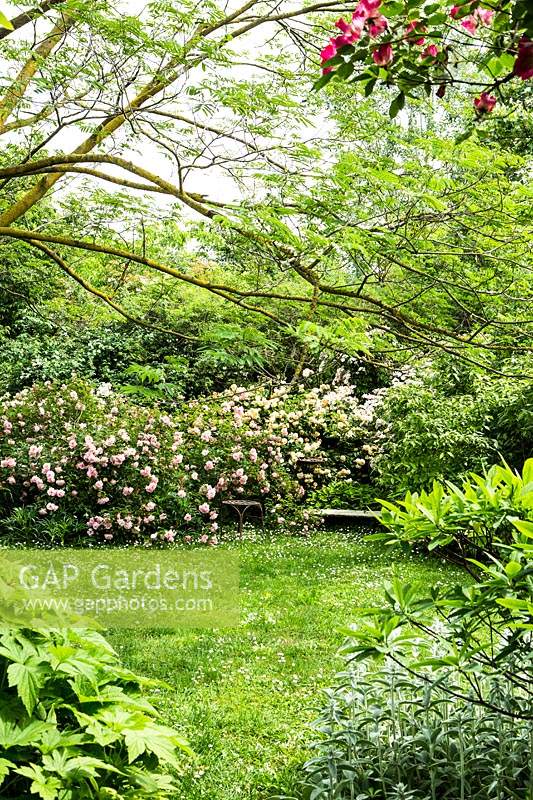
column 397, row 105
column 345, row 70
column 466, row 134
column 369, row 87
column 322, row 81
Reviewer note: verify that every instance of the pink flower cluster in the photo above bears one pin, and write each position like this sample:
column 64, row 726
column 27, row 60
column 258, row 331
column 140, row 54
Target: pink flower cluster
column 471, row 20
column 365, row 18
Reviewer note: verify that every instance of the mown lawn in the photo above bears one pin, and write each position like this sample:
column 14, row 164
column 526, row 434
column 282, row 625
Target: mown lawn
column 244, row 696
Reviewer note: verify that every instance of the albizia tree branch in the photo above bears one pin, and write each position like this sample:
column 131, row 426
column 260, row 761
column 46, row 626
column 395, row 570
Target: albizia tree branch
column 306, row 219
column 417, row 330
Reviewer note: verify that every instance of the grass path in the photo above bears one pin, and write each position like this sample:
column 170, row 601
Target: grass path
column 243, row 697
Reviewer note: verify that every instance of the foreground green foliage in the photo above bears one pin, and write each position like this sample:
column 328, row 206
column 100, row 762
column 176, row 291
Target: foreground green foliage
column 73, row 722
column 387, row 734
column 463, row 521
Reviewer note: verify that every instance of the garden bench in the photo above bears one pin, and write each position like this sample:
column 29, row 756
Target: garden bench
column 242, row 506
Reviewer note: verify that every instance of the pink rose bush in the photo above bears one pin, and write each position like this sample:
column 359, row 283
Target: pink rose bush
column 117, row 472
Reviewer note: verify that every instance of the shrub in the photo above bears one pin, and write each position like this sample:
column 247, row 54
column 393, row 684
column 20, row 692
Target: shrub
column 448, row 714
column 73, row 723
column 442, row 422
column 462, row 521
column 343, row 494
column 387, row 734
column 85, row 455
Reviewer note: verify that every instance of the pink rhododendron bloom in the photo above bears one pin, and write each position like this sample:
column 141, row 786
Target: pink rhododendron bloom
column 208, row 466
column 150, row 506
column 34, row 451
column 11, row 480
column 182, row 493
column 485, row 15
column 455, row 10
column 383, row 55
column 377, row 25
column 92, row 472
column 469, row 23
column 523, row 66
column 108, row 537
column 416, row 28
column 194, row 475
column 146, row 472
column 211, row 492
column 485, row 103
column 50, row 476
column 8, row 463
column 102, row 501
column 431, row 51
column 169, row 535
column 127, row 490
column 204, row 538
column 204, row 508
column 99, row 485
column 152, row 486
column 329, row 51
column 187, row 518
column 351, row 32
column 51, row 507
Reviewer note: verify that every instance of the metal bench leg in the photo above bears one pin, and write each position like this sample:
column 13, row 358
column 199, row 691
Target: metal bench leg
column 241, row 520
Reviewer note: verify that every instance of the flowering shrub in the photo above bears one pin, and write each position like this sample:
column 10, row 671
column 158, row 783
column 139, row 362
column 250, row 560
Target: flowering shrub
column 93, row 459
